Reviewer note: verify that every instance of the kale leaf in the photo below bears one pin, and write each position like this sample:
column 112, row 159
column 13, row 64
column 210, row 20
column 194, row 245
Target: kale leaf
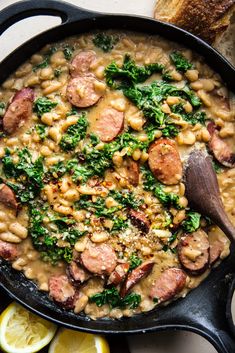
column 2, row 108
column 45, row 62
column 193, row 118
column 150, row 184
column 129, row 73
column 74, row 134
column 218, row 168
column 166, row 198
column 108, row 296
column 149, row 98
column 46, row 242
column 27, row 172
column 100, row 210
column 192, row 222
column 131, row 300
column 57, row 72
column 105, row 42
column 135, row 261
column 149, row 181
column 118, row 224
column 126, row 199
column 180, row 62
column 41, row 130
column 112, row 298
column 43, row 105
column 170, row 131
column 68, row 52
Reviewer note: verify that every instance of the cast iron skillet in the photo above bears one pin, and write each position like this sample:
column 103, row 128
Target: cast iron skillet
column 207, row 309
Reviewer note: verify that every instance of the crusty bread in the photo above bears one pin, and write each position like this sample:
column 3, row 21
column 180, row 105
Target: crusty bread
column 205, row 18
column 226, row 43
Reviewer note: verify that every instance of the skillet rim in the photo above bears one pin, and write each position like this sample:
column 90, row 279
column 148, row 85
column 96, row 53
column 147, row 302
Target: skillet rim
column 172, row 27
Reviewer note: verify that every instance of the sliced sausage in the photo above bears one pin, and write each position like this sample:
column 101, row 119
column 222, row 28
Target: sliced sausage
column 77, row 274
column 119, row 274
column 99, row 259
column 109, row 124
column 139, row 220
column 8, row 251
column 168, row 284
column 19, row 110
column 193, row 252
column 216, row 248
column 135, row 276
column 81, row 63
column 133, row 171
column 81, row 91
column 7, row 196
column 219, row 148
column 62, row 291
column 164, row 161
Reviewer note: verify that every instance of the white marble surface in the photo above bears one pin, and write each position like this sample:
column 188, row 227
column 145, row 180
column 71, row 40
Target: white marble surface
column 164, row 342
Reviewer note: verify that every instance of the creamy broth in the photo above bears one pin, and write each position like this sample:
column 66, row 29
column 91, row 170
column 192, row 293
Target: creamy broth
column 56, row 224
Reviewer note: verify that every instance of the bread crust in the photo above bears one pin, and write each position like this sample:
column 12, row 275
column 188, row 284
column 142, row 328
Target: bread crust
column 207, row 19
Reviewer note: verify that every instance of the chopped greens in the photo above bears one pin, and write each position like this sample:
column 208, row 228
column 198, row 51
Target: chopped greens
column 131, row 300
column 129, row 73
column 126, row 199
column 171, row 240
column 73, row 111
column 105, row 42
column 72, row 235
column 192, row 222
column 47, row 243
column 68, row 52
column 42, row 64
column 2, row 108
column 45, row 62
column 217, row 167
column 57, row 72
column 149, row 181
column 30, row 173
column 166, row 198
column 103, row 158
column 43, row 105
column 119, row 224
column 193, row 118
column 113, row 299
column 166, row 76
column 100, row 210
column 74, row 134
column 58, row 169
column 148, row 99
column 180, row 62
column 150, row 184
column 108, row 296
column 170, row 131
column 135, row 261
column 41, row 131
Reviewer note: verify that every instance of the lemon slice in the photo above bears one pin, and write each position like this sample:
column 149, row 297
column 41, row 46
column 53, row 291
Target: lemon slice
column 23, row 332
column 68, row 341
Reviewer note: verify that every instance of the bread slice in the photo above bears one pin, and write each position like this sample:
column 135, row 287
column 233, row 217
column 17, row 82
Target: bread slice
column 226, row 44
column 206, row 18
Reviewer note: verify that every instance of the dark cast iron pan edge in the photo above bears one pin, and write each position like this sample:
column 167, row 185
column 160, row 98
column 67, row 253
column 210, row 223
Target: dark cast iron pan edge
column 194, row 313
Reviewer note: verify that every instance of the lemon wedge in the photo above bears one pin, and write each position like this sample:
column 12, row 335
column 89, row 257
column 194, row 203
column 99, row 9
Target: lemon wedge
column 24, row 332
column 68, row 341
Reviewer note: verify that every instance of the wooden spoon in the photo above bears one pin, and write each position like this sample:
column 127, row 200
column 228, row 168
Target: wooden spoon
column 202, row 191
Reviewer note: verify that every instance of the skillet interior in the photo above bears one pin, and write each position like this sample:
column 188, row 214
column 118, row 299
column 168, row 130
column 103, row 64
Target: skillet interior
column 203, row 310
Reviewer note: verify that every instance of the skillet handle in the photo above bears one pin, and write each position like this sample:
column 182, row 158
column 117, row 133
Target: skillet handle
column 27, row 8
column 214, row 318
